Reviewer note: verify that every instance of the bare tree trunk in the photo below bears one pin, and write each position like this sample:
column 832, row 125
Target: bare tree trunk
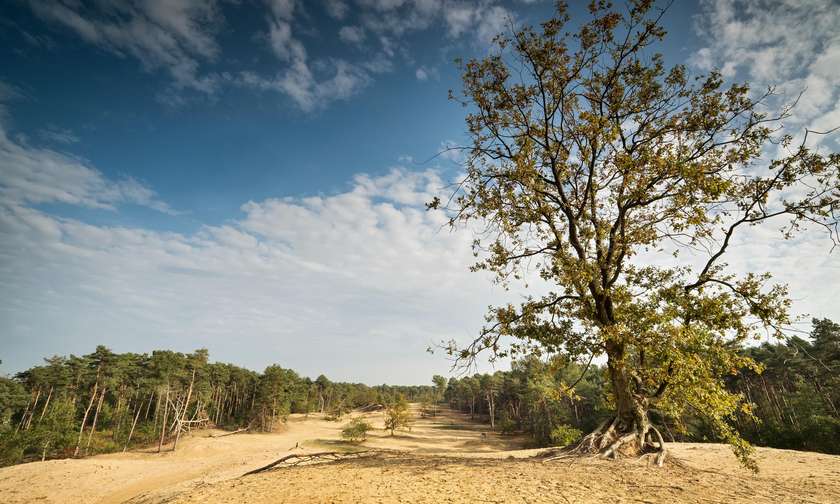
column 84, row 419
column 25, row 412
column 148, row 406
column 46, row 404
column 95, row 417
column 32, row 411
column 492, row 404
column 157, row 409
column 163, row 425
column 183, row 412
column 133, row 424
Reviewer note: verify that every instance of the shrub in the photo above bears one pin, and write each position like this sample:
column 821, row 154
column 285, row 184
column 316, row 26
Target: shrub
column 336, row 412
column 356, row 431
column 397, row 415
column 507, row 425
column 563, row 435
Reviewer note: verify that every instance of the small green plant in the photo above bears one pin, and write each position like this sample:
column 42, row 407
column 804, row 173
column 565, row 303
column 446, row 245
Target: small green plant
column 563, row 435
column 356, row 431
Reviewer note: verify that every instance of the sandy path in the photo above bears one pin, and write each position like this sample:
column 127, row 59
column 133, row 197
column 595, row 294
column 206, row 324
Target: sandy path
column 445, row 459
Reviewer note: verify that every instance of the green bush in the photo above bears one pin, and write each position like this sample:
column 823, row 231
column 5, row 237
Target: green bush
column 356, row 431
column 563, row 435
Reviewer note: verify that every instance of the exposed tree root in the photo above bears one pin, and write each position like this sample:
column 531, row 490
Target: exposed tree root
column 314, row 458
column 612, row 440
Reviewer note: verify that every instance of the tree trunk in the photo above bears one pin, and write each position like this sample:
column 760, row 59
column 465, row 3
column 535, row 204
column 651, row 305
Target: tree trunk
column 183, row 412
column 163, row 425
column 95, row 417
column 32, row 411
column 134, row 424
column 629, row 432
column 148, row 406
column 84, row 419
column 492, row 408
column 46, row 405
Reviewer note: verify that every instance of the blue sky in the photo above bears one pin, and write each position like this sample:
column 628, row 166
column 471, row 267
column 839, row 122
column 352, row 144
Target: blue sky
column 248, row 176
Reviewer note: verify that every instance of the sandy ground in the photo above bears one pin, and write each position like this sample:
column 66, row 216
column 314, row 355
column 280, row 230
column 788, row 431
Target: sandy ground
column 445, row 459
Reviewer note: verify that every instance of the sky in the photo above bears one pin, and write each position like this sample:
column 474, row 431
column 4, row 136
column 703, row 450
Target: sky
column 249, row 176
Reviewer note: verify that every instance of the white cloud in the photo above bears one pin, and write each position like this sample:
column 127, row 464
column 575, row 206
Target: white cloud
column 310, row 86
column 282, row 9
column 491, row 22
column 58, row 135
column 459, row 17
column 308, row 91
column 9, row 92
column 180, row 37
column 31, row 175
column 484, row 20
column 336, row 8
column 452, row 151
column 171, row 34
column 356, row 283
column 285, row 47
column 352, row 35
column 794, row 46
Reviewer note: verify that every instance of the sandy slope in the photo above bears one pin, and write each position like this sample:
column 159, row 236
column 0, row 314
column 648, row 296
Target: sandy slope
column 445, row 459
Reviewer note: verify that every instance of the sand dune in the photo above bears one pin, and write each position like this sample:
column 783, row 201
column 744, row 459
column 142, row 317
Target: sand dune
column 445, row 459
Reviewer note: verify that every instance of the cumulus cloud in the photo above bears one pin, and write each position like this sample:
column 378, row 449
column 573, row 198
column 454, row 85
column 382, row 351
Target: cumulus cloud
column 30, row 175
column 782, row 44
column 361, row 279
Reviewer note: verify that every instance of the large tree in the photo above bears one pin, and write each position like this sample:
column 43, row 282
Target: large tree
column 592, row 165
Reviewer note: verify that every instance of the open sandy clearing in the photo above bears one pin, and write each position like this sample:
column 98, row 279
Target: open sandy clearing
column 445, row 459
column 432, row 479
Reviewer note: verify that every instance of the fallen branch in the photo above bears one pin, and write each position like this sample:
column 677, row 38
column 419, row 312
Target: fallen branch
column 370, row 407
column 297, row 459
column 237, row 431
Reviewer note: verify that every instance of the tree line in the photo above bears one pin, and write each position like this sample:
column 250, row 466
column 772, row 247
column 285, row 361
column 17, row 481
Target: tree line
column 104, row 401
column 791, row 398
